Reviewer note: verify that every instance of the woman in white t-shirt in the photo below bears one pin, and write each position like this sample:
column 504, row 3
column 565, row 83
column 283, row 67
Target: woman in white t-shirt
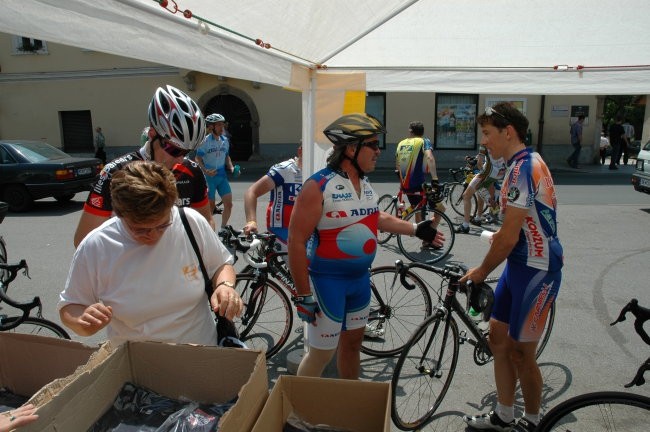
column 138, row 275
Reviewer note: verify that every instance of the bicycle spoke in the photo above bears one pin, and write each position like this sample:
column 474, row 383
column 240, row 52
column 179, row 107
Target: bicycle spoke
column 423, row 373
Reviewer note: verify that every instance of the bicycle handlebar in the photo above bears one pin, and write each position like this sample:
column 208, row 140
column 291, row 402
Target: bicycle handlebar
column 451, row 271
column 13, row 270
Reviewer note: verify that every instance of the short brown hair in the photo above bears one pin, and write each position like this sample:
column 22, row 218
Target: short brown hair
column 143, row 191
column 507, row 115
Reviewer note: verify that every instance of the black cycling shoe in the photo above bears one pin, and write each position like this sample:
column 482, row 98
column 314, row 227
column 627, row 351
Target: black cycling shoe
column 475, row 221
column 462, row 229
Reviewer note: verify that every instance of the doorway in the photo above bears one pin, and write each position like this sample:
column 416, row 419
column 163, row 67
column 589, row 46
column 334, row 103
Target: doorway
column 241, row 118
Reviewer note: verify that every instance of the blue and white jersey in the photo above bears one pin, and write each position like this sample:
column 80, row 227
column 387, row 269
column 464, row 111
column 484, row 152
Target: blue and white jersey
column 528, row 185
column 214, row 151
column 345, row 241
column 287, row 178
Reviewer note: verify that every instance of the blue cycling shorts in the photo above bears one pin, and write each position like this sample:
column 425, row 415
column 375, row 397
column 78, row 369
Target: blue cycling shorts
column 523, row 298
column 344, row 303
column 217, row 184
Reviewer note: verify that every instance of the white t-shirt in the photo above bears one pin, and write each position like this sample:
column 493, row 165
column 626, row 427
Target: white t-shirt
column 157, row 292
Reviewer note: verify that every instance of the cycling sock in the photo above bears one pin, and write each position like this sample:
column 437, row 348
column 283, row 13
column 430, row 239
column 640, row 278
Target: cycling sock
column 465, row 224
column 505, row 413
column 533, row 418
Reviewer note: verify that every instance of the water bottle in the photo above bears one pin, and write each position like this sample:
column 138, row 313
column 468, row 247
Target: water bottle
column 486, row 236
column 400, row 209
column 236, row 171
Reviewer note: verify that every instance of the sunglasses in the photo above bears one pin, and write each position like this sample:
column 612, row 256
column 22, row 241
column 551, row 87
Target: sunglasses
column 146, row 231
column 171, row 149
column 374, row 145
column 489, row 111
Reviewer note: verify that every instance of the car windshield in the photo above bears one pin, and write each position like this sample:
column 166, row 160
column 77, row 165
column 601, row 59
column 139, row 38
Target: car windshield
column 39, row 152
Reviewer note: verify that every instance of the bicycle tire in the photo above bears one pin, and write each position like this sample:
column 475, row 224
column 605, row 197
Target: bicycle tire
column 387, row 203
column 411, row 246
column 546, row 334
column 402, row 310
column 456, row 200
column 36, row 326
column 3, row 259
column 268, row 316
column 416, row 393
column 599, row 411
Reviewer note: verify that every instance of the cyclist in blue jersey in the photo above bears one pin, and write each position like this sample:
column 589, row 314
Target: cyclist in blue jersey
column 284, row 181
column 333, row 241
column 213, row 156
column 530, row 282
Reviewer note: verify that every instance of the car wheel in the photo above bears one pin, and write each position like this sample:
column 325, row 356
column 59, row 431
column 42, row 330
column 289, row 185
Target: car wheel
column 18, row 198
column 64, row 198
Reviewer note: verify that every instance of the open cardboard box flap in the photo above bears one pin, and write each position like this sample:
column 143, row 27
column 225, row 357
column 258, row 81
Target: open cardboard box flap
column 358, row 406
column 29, row 362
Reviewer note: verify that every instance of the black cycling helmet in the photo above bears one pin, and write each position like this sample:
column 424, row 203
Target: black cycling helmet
column 481, row 298
column 353, row 128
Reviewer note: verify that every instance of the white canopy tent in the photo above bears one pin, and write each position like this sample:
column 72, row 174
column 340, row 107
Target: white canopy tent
column 468, row 46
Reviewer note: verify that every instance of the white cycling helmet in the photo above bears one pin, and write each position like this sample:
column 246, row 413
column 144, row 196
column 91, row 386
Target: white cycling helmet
column 215, row 118
column 176, row 117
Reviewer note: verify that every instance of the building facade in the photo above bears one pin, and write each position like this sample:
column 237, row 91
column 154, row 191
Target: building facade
column 60, row 94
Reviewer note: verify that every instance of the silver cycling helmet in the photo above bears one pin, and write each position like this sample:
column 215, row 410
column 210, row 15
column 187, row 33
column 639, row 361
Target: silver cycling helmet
column 176, row 117
column 215, row 118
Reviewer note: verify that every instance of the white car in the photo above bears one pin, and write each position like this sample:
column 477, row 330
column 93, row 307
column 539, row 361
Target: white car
column 641, row 177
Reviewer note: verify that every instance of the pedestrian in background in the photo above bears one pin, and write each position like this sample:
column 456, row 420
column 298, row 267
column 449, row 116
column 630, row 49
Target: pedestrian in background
column 100, row 144
column 617, row 140
column 576, row 141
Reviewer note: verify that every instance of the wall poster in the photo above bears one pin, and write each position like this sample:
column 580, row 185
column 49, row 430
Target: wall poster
column 455, row 121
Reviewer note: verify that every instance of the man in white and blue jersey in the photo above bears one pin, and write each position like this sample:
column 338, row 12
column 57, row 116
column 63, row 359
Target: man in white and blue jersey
column 284, row 181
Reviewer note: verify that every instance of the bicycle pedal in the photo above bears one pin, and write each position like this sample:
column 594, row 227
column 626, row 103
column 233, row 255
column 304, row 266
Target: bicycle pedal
column 462, row 337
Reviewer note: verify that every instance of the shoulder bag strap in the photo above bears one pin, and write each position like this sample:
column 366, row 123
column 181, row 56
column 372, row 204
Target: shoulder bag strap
column 190, row 234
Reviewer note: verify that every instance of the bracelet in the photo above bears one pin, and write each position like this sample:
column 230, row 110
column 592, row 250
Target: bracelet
column 226, row 283
column 415, row 229
column 251, row 221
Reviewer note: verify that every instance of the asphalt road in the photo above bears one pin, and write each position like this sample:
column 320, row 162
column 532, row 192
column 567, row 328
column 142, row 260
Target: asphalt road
column 603, row 225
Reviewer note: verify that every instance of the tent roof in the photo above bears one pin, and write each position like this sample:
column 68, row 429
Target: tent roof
column 469, row 46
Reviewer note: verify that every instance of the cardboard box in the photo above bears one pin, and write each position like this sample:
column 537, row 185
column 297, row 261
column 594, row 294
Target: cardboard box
column 29, row 362
column 198, row 373
column 355, row 405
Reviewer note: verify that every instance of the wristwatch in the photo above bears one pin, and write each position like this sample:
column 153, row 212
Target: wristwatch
column 226, row 283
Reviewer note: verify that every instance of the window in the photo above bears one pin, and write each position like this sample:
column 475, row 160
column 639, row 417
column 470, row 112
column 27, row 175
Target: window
column 26, row 45
column 456, row 121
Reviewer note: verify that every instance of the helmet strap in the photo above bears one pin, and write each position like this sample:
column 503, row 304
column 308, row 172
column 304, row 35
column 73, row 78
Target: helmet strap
column 353, row 160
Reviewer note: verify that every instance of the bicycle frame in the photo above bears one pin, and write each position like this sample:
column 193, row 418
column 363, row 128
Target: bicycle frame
column 450, row 305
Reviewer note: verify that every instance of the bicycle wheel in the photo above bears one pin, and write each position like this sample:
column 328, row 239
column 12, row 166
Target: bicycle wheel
column 395, row 311
column 547, row 331
column 387, row 203
column 424, row 371
column 412, row 247
column 36, row 326
column 456, row 200
column 599, row 411
column 267, row 319
column 3, row 258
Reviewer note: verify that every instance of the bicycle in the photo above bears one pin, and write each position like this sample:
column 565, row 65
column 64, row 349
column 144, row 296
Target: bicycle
column 462, row 178
column 606, row 410
column 267, row 319
column 411, row 246
column 25, row 323
column 426, row 366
